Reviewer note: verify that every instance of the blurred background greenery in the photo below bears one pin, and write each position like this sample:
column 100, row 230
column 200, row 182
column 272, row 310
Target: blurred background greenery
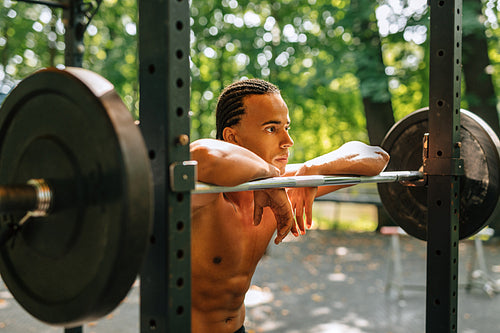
column 347, row 68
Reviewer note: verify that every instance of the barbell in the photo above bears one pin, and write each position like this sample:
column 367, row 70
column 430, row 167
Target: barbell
column 76, row 200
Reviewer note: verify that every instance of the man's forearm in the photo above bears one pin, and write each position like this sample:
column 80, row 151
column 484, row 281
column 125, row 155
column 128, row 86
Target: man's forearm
column 226, row 164
column 354, row 158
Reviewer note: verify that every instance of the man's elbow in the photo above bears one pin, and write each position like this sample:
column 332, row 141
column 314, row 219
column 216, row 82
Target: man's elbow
column 202, row 153
column 378, row 163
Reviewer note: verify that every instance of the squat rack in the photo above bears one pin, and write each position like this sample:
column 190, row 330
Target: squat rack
column 169, row 310
column 164, row 77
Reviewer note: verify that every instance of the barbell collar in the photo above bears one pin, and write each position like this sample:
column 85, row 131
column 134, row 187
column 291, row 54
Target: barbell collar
column 34, row 197
column 310, row 181
column 43, row 197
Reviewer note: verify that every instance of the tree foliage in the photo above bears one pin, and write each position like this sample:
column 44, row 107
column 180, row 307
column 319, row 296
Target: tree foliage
column 307, row 48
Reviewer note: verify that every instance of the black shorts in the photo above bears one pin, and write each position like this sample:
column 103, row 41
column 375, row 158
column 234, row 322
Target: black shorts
column 241, row 330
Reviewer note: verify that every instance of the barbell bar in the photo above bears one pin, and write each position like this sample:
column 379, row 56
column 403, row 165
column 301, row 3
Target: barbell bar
column 35, row 198
column 311, row 181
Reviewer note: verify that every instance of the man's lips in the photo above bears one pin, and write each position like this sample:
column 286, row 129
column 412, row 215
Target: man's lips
column 282, row 158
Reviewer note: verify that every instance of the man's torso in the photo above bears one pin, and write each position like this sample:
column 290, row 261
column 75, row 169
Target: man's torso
column 225, row 249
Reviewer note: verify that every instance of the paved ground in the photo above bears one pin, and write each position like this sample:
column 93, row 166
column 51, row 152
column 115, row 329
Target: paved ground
column 324, row 282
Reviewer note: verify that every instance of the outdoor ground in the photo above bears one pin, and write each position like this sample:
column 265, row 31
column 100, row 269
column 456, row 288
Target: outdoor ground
column 326, row 281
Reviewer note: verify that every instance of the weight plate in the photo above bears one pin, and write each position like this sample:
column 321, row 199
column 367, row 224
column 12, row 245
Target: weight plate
column 70, row 128
column 479, row 188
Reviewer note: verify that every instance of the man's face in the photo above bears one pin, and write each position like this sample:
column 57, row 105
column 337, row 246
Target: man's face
column 263, row 128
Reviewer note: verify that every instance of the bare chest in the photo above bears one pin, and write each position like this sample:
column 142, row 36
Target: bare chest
column 224, row 240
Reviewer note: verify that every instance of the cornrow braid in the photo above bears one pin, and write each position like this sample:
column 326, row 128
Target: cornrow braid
column 230, row 104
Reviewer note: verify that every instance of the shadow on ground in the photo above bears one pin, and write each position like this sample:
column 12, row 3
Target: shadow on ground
column 325, row 281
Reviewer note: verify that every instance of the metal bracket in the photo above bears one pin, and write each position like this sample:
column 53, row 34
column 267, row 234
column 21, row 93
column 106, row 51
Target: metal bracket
column 441, row 166
column 444, row 166
column 183, row 176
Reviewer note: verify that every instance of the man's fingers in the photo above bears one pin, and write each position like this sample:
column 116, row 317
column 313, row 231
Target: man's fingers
column 299, row 216
column 295, row 232
column 257, row 213
column 309, row 210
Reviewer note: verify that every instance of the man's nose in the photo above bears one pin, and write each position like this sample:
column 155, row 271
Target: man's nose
column 287, row 141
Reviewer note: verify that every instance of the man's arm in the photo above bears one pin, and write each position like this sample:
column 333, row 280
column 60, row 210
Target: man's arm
column 352, row 158
column 223, row 163
column 226, row 164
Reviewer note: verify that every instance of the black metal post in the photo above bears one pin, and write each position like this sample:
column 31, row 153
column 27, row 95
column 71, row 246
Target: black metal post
column 443, row 165
column 164, row 114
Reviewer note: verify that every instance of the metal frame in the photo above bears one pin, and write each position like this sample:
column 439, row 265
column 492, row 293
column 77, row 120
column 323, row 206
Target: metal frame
column 164, row 106
column 443, row 162
column 164, row 86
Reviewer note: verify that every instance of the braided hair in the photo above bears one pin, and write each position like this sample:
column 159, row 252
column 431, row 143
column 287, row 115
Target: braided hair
column 230, row 104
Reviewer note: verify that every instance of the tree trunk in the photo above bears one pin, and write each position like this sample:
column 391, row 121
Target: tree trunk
column 479, row 91
column 372, row 79
column 371, row 71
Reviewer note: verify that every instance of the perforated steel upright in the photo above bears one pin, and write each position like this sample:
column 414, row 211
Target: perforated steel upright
column 164, row 107
column 443, row 165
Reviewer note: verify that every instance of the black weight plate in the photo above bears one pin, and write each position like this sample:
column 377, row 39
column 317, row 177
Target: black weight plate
column 479, row 188
column 71, row 128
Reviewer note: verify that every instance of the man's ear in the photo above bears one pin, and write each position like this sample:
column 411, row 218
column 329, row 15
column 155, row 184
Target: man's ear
column 229, row 135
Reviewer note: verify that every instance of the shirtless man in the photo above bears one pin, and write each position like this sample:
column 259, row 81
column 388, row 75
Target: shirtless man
column 231, row 231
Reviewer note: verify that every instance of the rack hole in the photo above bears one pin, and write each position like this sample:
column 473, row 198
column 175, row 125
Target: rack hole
column 180, row 254
column 180, row 197
column 152, row 154
column 180, row 112
column 179, row 54
column 180, row 282
column 179, row 25
column 180, row 226
column 152, row 324
column 151, row 69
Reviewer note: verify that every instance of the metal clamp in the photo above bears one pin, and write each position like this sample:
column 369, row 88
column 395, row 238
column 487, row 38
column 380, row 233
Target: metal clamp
column 43, row 199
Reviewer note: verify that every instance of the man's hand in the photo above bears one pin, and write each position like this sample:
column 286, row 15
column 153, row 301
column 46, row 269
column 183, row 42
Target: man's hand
column 302, row 200
column 277, row 200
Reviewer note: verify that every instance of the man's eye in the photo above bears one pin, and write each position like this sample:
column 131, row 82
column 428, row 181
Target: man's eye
column 270, row 129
